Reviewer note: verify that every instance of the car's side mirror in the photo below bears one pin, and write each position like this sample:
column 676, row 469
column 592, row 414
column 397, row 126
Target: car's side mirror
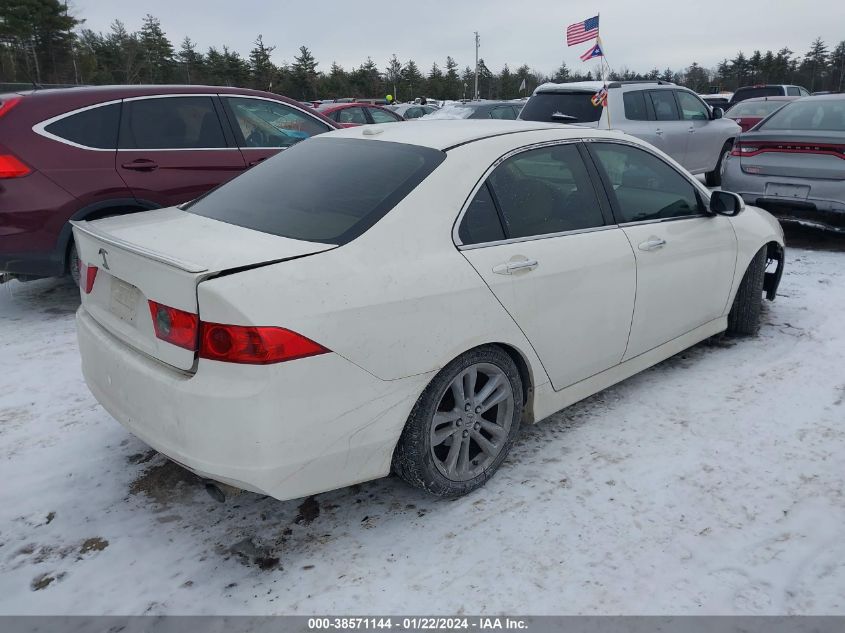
column 726, row 203
column 718, row 113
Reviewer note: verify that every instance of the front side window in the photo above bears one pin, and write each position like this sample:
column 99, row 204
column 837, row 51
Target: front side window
column 380, row 116
column 171, row 123
column 504, row 112
column 262, row 123
column 635, row 107
column 326, row 190
column 351, row 115
column 545, row 190
column 95, row 127
column 793, row 91
column 692, row 108
column 645, row 187
column 665, row 108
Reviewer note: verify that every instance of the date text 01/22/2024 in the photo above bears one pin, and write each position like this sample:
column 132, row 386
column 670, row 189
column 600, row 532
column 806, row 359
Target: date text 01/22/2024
column 417, row 623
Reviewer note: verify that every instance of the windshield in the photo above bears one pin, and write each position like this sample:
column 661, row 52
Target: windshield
column 756, row 108
column 323, row 190
column 810, row 114
column 561, row 107
column 761, row 91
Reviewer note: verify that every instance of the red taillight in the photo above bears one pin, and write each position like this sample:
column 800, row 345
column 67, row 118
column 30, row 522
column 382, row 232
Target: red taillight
column 8, row 104
column 175, row 326
column 11, row 167
column 753, row 149
column 254, row 345
column 87, row 277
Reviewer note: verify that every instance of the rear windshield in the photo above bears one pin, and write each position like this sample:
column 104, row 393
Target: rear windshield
column 756, row 108
column 571, row 107
column 321, row 190
column 763, row 91
column 809, row 114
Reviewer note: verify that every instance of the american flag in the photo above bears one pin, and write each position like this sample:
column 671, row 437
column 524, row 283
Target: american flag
column 582, row 31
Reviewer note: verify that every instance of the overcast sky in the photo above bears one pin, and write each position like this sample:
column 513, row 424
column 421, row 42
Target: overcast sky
column 638, row 34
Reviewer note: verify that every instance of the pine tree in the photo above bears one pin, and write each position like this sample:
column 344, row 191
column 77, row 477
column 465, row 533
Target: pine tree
column 434, row 84
column 157, row 52
column 815, row 61
column 451, row 80
column 191, row 62
column 413, row 78
column 393, row 74
column 261, row 68
column 304, row 74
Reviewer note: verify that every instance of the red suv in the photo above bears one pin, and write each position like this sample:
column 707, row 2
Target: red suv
column 85, row 153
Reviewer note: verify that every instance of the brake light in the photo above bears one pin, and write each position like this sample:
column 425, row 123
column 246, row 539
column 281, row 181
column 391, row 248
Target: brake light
column 254, row 345
column 11, row 166
column 752, row 149
column 7, row 105
column 175, row 326
column 87, row 277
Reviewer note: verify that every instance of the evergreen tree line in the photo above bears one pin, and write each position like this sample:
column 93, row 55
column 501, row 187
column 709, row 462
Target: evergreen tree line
column 42, row 43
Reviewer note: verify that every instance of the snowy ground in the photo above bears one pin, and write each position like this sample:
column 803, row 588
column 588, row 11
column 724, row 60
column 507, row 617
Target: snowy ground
column 712, row 483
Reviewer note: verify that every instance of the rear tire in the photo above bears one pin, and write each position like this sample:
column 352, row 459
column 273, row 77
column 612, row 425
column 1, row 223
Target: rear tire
column 714, row 178
column 744, row 317
column 73, row 263
column 455, row 439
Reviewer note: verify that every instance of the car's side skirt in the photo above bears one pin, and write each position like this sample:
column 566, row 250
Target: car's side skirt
column 547, row 401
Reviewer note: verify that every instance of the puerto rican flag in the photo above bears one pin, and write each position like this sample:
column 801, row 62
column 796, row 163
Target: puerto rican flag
column 582, row 31
column 595, row 51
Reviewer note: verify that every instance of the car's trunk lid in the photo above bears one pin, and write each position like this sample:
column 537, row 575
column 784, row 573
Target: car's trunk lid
column 797, row 154
column 162, row 256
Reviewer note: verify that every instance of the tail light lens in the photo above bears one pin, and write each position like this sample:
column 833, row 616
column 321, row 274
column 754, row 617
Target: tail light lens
column 787, row 147
column 8, row 104
column 12, row 167
column 87, row 277
column 175, row 326
column 254, row 345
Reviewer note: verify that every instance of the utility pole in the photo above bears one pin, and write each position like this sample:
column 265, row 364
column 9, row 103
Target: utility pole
column 477, row 40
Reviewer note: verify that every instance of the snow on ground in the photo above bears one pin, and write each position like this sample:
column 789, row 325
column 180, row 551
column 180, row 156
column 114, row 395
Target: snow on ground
column 712, row 483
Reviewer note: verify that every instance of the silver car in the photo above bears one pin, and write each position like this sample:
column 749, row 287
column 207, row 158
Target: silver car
column 670, row 117
column 792, row 163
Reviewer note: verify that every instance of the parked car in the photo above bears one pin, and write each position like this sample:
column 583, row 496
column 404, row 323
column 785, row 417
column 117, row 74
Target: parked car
column 410, row 111
column 672, row 118
column 750, row 112
column 83, row 153
column 718, row 99
column 354, row 114
column 768, row 90
column 477, row 109
column 793, row 163
column 316, row 322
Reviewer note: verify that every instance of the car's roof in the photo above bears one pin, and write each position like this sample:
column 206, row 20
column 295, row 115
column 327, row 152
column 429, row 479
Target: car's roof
column 586, row 86
column 331, row 107
column 837, row 96
column 123, row 91
column 446, row 133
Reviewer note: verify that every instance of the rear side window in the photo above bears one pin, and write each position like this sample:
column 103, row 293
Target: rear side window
column 96, row 127
column 546, row 190
column 793, row 91
column 171, row 123
column 265, row 123
column 665, row 108
column 561, row 107
column 327, row 190
column 380, row 116
column 503, row 112
column 481, row 221
column 761, row 91
column 635, row 107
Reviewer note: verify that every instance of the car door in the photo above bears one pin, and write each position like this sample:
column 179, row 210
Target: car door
column 668, row 124
column 172, row 149
column 263, row 127
column 685, row 258
column 536, row 232
column 705, row 138
column 640, row 118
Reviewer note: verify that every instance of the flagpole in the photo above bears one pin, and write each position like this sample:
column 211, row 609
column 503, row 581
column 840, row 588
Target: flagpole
column 603, row 65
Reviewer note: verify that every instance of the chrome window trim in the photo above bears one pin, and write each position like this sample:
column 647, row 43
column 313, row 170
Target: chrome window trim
column 39, row 128
column 519, row 150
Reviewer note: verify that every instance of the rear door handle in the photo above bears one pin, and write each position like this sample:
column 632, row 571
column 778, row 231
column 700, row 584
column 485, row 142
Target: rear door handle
column 692, row 130
column 142, row 164
column 508, row 268
column 659, row 132
column 652, row 244
column 253, row 163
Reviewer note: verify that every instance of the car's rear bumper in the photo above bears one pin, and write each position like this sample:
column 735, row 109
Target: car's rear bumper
column 285, row 430
column 823, row 207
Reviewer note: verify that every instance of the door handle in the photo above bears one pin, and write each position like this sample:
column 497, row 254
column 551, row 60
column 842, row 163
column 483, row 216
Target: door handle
column 692, row 130
column 508, row 268
column 652, row 244
column 659, row 132
column 253, row 163
column 142, row 164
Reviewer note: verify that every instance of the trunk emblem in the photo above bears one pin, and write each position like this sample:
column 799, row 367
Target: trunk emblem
column 102, row 253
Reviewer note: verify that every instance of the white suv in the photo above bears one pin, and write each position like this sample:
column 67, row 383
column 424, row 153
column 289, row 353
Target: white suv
column 670, row 117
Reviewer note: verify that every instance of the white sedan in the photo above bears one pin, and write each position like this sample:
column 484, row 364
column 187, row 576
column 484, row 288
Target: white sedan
column 405, row 297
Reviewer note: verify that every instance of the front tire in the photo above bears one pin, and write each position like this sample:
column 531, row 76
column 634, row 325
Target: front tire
column 744, row 317
column 714, row 178
column 463, row 425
